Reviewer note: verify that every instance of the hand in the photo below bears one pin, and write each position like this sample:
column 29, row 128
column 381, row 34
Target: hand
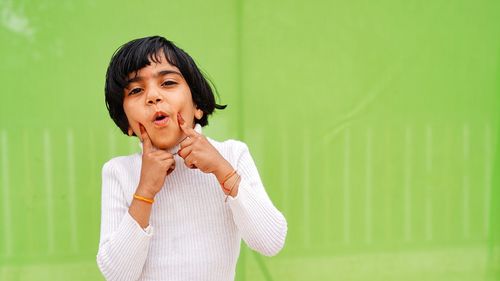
column 198, row 152
column 156, row 165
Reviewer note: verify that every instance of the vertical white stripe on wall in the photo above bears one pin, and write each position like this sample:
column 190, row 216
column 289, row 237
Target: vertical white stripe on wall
column 465, row 177
column 368, row 199
column 47, row 161
column 285, row 171
column 327, row 184
column 428, row 193
column 407, row 184
column 488, row 153
column 450, row 193
column 7, row 218
column 72, row 202
column 307, row 189
column 347, row 214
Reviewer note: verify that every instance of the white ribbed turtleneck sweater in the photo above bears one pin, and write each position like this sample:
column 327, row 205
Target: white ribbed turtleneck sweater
column 193, row 234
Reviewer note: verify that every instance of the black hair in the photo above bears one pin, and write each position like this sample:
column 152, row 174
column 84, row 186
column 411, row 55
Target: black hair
column 138, row 53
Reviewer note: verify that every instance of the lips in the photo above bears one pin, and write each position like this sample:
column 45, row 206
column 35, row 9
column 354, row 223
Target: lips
column 160, row 118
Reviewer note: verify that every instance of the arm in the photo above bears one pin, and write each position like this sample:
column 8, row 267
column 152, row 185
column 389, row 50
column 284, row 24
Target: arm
column 124, row 244
column 262, row 226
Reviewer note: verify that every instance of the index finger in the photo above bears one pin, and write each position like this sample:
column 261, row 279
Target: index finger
column 190, row 132
column 147, row 145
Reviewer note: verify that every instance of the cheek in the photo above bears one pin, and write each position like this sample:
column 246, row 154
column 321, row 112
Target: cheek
column 131, row 113
column 183, row 106
column 126, row 109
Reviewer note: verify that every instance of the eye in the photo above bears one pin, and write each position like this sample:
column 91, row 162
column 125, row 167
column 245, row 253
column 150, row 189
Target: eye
column 134, row 91
column 168, row 83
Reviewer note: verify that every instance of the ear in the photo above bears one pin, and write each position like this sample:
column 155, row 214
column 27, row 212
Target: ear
column 130, row 132
column 198, row 114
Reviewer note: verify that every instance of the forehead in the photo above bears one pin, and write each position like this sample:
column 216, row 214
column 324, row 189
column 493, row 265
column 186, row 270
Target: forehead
column 157, row 66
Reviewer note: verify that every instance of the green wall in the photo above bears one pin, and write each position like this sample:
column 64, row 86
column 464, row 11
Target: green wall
column 374, row 125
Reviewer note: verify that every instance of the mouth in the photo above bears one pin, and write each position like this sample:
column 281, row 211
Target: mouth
column 160, row 119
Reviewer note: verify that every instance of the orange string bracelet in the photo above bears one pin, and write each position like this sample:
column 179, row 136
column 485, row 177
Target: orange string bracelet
column 228, row 176
column 226, row 179
column 234, row 184
column 144, row 199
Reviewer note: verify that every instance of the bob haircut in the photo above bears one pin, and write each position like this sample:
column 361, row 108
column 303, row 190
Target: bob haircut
column 138, row 53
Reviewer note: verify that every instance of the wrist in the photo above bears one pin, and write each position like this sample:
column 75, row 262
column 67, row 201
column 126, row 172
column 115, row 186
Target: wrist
column 223, row 170
column 145, row 192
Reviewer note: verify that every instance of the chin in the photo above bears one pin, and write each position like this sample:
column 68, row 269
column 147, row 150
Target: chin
column 165, row 143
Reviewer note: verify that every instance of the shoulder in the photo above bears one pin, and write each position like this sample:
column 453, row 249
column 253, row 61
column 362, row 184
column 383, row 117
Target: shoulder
column 232, row 145
column 231, row 149
column 121, row 164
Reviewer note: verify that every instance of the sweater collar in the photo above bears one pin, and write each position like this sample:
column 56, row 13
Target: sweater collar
column 176, row 148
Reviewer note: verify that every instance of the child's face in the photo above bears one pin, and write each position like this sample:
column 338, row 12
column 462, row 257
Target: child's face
column 159, row 87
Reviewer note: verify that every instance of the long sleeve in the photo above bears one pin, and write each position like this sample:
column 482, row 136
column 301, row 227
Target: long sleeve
column 123, row 247
column 193, row 234
column 261, row 225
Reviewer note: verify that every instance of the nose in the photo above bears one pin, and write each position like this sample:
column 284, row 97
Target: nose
column 153, row 97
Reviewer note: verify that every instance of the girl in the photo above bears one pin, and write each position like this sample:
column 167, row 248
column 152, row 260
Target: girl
column 179, row 209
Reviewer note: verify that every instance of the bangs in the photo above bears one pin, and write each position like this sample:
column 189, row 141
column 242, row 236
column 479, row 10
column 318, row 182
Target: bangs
column 132, row 57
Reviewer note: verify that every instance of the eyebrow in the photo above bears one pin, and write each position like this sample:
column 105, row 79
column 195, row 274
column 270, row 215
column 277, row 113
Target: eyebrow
column 158, row 74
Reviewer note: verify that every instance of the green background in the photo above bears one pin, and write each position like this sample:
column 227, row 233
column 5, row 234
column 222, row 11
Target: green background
column 374, row 125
